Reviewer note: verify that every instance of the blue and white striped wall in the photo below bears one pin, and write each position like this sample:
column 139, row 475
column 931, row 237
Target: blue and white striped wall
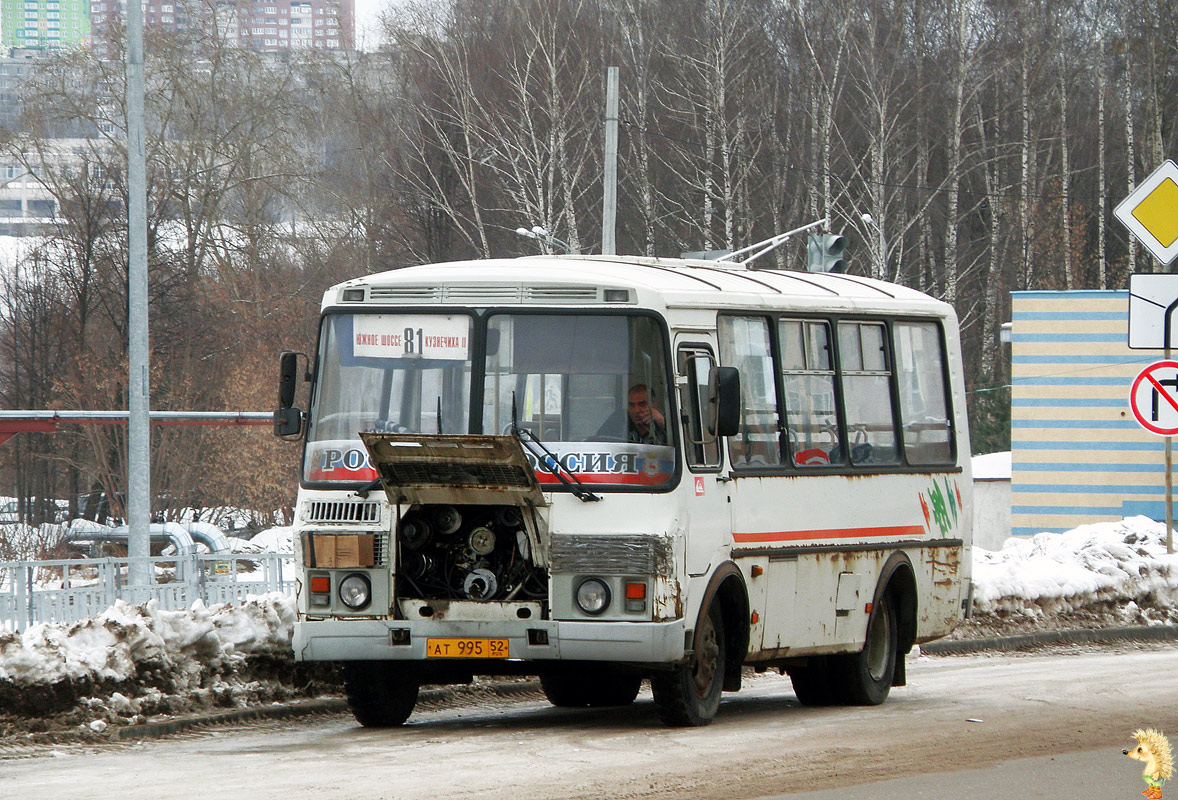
column 1078, row 455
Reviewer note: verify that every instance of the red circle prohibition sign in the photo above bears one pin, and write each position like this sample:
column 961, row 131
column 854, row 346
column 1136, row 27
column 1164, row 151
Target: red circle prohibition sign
column 1154, row 398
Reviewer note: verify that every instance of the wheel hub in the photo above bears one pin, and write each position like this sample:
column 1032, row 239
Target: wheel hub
column 706, row 659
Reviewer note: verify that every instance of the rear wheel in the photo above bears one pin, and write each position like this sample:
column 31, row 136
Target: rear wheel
column 689, row 695
column 812, row 683
column 380, row 694
column 600, row 685
column 865, row 677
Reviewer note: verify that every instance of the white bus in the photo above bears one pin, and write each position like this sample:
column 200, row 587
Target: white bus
column 600, row 470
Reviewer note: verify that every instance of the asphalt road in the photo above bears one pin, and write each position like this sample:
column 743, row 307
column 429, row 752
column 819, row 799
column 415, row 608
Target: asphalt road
column 1094, row 775
column 1000, row 726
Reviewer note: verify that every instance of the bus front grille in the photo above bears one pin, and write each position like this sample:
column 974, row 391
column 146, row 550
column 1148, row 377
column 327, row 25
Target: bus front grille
column 380, row 548
column 343, row 511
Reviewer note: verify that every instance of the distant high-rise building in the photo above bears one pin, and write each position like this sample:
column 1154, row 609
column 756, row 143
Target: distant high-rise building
column 264, row 25
column 44, row 24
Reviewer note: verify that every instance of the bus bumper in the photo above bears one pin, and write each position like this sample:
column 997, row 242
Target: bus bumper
column 380, row 640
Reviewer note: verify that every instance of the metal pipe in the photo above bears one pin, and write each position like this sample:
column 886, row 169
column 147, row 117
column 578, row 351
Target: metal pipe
column 209, row 535
column 159, row 532
column 183, row 535
column 27, row 421
column 157, row 417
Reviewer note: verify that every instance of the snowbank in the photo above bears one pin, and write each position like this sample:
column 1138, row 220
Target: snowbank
column 139, row 660
column 271, row 540
column 114, row 645
column 132, row 662
column 1092, row 567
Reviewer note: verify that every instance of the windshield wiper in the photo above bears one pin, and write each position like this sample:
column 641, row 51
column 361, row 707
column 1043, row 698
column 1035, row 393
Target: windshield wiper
column 368, row 487
column 553, row 465
column 550, row 461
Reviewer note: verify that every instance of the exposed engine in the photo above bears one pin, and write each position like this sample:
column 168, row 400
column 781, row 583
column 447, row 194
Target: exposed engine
column 468, row 552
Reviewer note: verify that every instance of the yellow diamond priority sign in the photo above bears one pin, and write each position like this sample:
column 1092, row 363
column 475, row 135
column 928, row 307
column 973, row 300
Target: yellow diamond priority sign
column 1150, row 212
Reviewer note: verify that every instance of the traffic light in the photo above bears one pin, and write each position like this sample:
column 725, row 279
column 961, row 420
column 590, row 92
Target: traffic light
column 824, row 253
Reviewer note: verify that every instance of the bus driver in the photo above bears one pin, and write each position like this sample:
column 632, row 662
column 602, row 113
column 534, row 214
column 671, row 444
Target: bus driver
column 646, row 424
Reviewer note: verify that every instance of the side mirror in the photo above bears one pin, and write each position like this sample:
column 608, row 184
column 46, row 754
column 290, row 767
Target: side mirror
column 288, row 420
column 724, row 401
column 288, row 375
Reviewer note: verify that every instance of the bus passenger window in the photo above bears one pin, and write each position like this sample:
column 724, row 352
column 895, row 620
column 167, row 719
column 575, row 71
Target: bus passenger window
column 867, row 392
column 920, row 371
column 807, row 366
column 744, row 344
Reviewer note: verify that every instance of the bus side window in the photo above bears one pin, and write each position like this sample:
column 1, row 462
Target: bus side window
column 744, row 344
column 695, row 364
column 807, row 366
column 924, row 414
column 867, row 392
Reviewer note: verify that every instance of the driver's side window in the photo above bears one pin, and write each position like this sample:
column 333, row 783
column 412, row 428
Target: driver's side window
column 695, row 364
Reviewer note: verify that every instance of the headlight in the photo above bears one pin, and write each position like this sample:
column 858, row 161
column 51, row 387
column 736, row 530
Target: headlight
column 355, row 591
column 593, row 596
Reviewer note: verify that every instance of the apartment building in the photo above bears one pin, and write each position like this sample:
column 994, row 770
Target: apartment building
column 44, row 24
column 262, row 25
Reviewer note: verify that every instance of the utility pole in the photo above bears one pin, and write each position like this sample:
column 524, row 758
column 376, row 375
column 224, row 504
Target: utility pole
column 138, row 504
column 609, row 193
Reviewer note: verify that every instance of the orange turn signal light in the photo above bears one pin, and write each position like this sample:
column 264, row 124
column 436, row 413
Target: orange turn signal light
column 320, row 584
column 635, row 591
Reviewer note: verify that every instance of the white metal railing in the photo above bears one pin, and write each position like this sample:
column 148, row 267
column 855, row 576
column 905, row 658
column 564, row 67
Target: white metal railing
column 69, row 590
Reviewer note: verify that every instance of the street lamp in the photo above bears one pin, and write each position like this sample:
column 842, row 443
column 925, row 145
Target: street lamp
column 547, row 240
column 882, row 260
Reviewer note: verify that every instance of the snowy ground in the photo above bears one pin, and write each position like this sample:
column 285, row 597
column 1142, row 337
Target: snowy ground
column 135, row 663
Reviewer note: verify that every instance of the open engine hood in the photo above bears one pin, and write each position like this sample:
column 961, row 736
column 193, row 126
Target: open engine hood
column 453, row 469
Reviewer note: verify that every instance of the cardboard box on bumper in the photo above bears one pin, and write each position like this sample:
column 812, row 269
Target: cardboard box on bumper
column 339, row 550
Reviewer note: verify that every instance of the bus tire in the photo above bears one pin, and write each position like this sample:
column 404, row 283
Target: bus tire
column 379, row 694
column 689, row 694
column 589, row 686
column 866, row 676
column 812, row 683
column 617, row 690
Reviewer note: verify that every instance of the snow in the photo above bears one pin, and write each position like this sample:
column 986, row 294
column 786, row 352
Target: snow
column 1119, row 567
column 114, row 645
column 274, row 540
column 992, row 467
column 1092, row 566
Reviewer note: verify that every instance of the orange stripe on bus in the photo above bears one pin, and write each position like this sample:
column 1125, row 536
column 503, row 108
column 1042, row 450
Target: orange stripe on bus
column 829, row 533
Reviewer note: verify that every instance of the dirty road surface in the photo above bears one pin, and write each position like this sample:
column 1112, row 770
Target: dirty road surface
column 957, row 713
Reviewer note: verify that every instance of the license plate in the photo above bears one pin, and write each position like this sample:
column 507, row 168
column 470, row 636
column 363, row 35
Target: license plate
column 466, row 648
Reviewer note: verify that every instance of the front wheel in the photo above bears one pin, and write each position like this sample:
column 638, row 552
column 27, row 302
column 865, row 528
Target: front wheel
column 379, row 694
column 689, row 695
column 866, row 676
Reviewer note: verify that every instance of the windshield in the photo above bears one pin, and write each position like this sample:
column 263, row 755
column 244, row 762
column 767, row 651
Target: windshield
column 591, row 388
column 388, row 373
